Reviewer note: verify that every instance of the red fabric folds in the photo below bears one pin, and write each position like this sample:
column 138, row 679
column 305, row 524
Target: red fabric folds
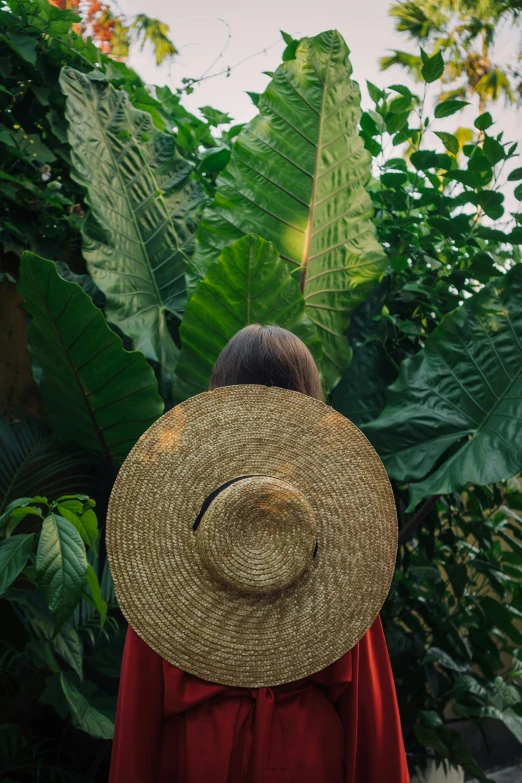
column 340, row 725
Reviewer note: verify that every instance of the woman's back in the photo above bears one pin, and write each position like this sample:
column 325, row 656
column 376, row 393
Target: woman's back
column 340, row 725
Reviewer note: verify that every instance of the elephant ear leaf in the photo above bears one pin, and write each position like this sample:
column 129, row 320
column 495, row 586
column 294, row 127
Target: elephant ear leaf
column 139, row 232
column 96, row 393
column 457, row 404
column 297, row 177
column 249, row 283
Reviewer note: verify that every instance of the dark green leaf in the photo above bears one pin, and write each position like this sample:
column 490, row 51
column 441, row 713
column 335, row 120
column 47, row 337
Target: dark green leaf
column 493, row 150
column 104, row 406
column 432, row 67
column 475, row 355
column 84, row 716
column 491, row 203
column 449, row 140
column 515, row 175
column 449, row 107
column 24, row 45
column 445, row 660
column 394, row 179
column 14, row 552
column 397, row 121
column 483, row 121
column 424, row 159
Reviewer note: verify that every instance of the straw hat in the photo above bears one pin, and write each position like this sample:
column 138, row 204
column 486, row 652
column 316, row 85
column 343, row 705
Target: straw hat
column 251, row 535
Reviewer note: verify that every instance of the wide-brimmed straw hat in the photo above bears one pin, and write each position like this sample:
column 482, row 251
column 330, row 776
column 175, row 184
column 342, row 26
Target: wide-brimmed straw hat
column 251, row 535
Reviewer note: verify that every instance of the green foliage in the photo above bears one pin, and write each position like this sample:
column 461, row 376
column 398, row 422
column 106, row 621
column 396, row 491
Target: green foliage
column 249, row 283
column 296, row 177
column 137, row 238
column 457, row 402
column 466, row 32
column 438, row 308
column 448, row 621
column 51, row 586
column 42, row 208
column 102, row 404
column 406, row 286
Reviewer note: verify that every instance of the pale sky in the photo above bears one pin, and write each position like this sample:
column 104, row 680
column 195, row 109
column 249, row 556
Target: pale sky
column 366, row 27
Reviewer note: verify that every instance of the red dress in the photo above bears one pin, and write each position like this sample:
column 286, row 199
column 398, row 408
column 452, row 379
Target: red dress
column 340, row 725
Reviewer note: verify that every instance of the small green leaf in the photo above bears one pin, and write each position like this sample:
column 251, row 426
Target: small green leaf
column 395, row 163
column 449, row 140
column 449, row 107
column 401, row 104
column 518, row 192
column 467, row 684
column 61, row 564
column 394, row 179
column 375, row 93
column 432, row 68
column 402, row 90
column 24, row 45
column 85, row 522
column 424, row 159
column 397, row 121
column 96, row 595
column 441, row 657
column 491, row 203
column 515, row 175
column 84, row 716
column 14, row 552
column 493, row 150
column 483, row 121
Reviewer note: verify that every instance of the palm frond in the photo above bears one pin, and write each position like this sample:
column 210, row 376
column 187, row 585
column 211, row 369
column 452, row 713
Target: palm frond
column 34, row 462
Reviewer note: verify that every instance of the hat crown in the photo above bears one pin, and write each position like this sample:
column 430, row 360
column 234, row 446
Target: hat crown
column 258, row 535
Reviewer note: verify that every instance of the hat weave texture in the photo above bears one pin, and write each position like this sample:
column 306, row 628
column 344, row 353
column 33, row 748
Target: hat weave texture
column 289, row 564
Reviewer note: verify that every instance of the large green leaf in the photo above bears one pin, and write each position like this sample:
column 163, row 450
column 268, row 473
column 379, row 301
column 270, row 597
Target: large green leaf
column 360, row 395
column 139, row 233
column 249, row 283
column 84, row 716
column 61, row 565
column 14, row 552
column 296, row 177
column 96, row 393
column 35, row 613
column 463, row 393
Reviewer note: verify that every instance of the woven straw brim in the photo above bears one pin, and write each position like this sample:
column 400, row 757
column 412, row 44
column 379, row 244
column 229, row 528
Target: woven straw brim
column 208, row 628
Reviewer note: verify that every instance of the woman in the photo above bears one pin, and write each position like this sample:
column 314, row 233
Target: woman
column 338, row 725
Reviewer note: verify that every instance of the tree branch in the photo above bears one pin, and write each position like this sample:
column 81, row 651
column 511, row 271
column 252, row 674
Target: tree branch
column 408, row 530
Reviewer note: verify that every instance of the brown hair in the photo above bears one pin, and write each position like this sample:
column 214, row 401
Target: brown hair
column 268, row 355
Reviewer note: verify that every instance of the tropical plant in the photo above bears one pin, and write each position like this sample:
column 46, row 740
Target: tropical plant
column 435, row 338
column 249, row 283
column 57, row 610
column 466, row 32
column 296, row 177
column 409, row 300
column 42, row 207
